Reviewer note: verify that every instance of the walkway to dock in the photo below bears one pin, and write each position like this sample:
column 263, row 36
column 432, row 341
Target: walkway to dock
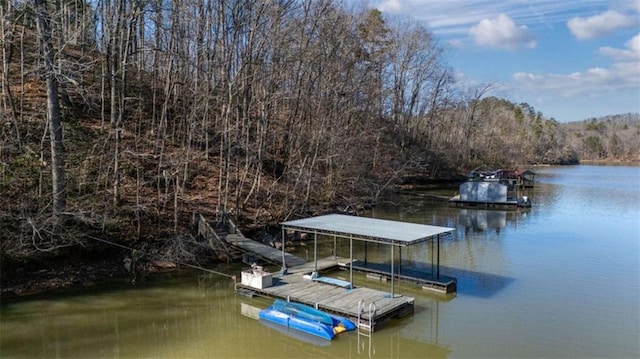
column 336, row 299
column 225, row 238
column 262, row 250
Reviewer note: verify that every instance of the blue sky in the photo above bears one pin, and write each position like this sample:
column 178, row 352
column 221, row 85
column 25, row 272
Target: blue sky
column 570, row 59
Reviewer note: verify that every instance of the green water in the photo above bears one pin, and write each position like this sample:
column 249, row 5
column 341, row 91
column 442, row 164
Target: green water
column 558, row 281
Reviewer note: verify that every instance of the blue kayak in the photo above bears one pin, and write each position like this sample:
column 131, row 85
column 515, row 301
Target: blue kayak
column 306, row 319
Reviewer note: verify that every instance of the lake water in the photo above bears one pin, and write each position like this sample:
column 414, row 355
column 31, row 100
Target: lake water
column 560, row 280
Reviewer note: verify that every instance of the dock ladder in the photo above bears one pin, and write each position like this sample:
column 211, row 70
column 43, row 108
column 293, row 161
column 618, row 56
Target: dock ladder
column 366, row 324
column 366, row 327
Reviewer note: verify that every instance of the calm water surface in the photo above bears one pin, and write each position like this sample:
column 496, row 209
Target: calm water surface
column 558, row 281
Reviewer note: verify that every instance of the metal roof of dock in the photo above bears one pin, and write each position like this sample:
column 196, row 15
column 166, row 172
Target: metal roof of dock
column 367, row 229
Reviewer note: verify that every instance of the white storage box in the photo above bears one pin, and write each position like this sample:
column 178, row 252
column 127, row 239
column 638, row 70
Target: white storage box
column 257, row 278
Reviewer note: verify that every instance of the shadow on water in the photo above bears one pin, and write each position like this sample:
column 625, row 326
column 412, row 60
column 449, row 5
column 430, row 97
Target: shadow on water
column 412, row 274
column 477, row 284
column 473, row 283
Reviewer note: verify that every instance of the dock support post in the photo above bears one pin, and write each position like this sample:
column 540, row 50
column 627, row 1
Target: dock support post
column 399, row 260
column 350, row 262
column 438, row 266
column 315, row 252
column 335, row 248
column 392, row 287
column 284, row 263
column 365, row 252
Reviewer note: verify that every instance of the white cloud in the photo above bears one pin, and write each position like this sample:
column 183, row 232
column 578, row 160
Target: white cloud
column 524, row 76
column 597, row 85
column 501, row 32
column 454, row 18
column 631, row 70
column 593, row 82
column 630, row 4
column 600, row 25
column 631, row 53
column 392, row 6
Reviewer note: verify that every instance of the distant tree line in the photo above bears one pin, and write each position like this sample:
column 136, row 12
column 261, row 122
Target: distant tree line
column 261, row 108
column 612, row 138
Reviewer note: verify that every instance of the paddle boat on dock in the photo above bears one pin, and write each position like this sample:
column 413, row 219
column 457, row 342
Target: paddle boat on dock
column 306, row 319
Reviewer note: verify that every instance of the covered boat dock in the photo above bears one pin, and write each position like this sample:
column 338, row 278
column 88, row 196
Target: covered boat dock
column 367, row 307
column 393, row 233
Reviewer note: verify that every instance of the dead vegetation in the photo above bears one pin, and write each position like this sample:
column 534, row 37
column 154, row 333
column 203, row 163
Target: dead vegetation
column 264, row 110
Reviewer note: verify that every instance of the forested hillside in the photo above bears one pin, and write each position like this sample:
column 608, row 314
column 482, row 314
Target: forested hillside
column 611, row 138
column 121, row 118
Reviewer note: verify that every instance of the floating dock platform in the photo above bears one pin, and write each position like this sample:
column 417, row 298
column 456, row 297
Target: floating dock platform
column 366, row 307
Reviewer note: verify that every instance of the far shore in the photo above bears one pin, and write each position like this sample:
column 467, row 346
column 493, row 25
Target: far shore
column 610, row 162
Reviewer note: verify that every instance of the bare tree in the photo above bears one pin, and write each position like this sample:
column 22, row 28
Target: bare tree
column 54, row 115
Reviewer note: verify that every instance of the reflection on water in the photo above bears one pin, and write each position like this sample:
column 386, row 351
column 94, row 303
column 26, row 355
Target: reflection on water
column 483, row 219
column 424, row 328
column 559, row 280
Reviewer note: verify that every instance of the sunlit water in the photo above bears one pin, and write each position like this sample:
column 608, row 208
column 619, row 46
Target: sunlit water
column 560, row 280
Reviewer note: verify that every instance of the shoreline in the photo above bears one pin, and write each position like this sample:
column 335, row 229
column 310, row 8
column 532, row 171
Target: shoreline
column 610, row 163
column 58, row 275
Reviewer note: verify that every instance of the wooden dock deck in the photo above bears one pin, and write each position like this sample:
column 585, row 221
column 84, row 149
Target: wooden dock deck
column 376, row 305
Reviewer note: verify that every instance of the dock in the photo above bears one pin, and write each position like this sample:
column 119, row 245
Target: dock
column 367, row 307
column 301, row 282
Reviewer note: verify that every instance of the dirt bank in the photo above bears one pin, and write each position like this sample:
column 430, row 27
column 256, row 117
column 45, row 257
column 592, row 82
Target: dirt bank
column 59, row 273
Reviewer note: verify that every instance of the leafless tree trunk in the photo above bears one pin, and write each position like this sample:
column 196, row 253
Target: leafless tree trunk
column 53, row 107
column 8, row 103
